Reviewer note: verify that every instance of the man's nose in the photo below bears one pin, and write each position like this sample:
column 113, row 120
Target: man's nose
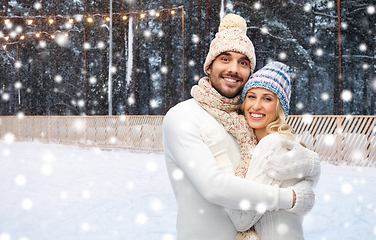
column 233, row 67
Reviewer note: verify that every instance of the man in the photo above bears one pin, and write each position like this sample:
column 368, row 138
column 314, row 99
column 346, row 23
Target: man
column 200, row 187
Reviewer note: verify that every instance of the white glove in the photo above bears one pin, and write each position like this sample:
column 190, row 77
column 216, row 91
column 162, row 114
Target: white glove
column 297, row 162
column 216, row 142
column 305, row 198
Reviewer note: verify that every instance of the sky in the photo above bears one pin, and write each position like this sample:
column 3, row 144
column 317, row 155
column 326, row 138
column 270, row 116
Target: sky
column 60, row 192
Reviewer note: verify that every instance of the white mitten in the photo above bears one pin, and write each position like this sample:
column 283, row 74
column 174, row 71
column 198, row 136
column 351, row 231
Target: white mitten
column 297, row 162
column 305, row 198
column 216, row 142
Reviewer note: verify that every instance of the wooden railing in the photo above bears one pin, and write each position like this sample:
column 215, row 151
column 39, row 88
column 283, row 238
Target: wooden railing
column 349, row 140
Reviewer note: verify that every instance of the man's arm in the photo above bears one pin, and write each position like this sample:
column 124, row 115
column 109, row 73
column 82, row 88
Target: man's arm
column 183, row 143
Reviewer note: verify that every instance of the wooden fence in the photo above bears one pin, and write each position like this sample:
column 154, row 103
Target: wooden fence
column 349, row 140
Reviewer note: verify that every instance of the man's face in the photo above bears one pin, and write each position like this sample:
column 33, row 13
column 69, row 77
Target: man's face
column 229, row 72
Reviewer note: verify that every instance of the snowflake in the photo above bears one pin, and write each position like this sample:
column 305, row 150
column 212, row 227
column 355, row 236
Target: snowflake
column 346, row 188
column 131, row 100
column 87, row 46
column 92, row 80
column 257, row 5
column 319, row 52
column 307, row 7
column 245, row 204
column 164, row 69
column 18, row 85
column 325, row 96
column 61, row 40
column 171, row 237
column 282, row 56
column 300, row 105
column 195, row 38
column 141, row 219
column 85, row 227
column 58, row 78
column 330, row 5
column 346, row 96
column 154, row 103
column 177, row 174
column 42, row 44
column 307, row 118
column 191, row 63
column 156, row 205
column 160, row 33
column 264, row 30
column 20, row 180
column 27, row 204
column 312, row 40
column 371, row 10
column 147, row 33
column 363, row 47
column 37, row 5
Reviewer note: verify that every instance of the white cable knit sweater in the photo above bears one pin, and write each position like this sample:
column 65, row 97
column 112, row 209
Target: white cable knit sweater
column 274, row 225
column 201, row 188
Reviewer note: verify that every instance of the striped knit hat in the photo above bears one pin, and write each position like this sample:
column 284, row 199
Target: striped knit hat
column 274, row 76
column 231, row 38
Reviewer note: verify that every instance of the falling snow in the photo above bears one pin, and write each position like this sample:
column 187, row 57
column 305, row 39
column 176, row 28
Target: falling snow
column 86, row 193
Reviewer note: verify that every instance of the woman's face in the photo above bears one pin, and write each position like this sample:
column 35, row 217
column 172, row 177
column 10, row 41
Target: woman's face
column 260, row 108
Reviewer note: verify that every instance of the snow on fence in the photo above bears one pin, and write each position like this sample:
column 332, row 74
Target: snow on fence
column 349, row 140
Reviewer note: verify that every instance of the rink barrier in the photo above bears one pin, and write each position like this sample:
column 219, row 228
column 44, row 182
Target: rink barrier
column 348, row 140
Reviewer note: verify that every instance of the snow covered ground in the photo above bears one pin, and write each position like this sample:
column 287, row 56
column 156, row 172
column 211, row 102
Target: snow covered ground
column 59, row 192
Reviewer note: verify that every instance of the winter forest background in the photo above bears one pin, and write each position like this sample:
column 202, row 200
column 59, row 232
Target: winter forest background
column 55, row 61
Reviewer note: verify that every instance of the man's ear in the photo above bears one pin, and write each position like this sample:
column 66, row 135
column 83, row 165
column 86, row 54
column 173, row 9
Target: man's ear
column 209, row 69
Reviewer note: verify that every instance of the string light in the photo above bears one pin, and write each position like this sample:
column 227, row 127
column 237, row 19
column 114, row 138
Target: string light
column 90, row 19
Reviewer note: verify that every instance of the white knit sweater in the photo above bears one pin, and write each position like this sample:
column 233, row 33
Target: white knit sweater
column 201, row 188
column 275, row 225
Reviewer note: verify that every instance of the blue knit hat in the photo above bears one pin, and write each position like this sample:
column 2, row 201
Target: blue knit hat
column 274, row 76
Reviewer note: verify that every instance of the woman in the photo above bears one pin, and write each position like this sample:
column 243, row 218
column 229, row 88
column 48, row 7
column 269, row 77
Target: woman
column 265, row 105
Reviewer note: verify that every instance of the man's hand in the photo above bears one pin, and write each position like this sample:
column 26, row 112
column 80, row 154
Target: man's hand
column 294, row 199
column 304, row 198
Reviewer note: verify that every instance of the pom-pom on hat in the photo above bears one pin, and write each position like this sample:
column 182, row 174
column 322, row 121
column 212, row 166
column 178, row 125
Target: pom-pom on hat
column 274, row 76
column 231, row 38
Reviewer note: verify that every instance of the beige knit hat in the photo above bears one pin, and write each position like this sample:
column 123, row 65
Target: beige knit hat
column 231, row 37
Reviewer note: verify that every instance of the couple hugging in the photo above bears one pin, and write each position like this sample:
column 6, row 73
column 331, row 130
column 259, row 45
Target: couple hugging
column 244, row 174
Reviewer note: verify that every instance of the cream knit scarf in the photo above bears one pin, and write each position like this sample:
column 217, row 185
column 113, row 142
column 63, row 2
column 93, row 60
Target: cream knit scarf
column 224, row 110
